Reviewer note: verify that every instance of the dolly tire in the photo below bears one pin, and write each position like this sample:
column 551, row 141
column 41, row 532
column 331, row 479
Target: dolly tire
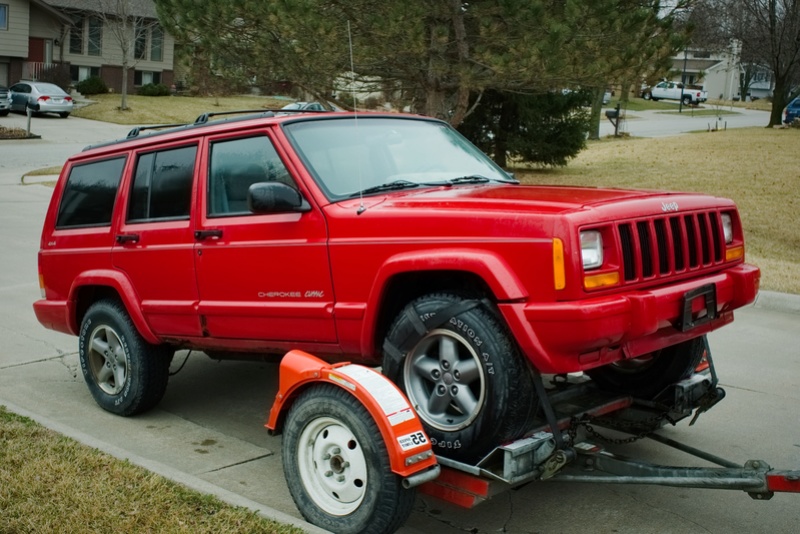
column 337, row 465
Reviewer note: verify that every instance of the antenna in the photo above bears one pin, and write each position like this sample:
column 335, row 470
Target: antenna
column 361, row 207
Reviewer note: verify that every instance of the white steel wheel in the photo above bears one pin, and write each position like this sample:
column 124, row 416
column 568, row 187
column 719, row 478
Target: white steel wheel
column 337, row 465
column 332, row 466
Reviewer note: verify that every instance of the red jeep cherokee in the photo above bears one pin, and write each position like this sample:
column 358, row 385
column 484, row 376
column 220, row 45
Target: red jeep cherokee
column 383, row 239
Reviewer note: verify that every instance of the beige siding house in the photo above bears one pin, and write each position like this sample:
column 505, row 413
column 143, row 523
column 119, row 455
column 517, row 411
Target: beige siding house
column 66, row 41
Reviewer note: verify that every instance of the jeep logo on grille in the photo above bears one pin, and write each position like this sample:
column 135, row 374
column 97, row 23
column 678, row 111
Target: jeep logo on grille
column 669, row 206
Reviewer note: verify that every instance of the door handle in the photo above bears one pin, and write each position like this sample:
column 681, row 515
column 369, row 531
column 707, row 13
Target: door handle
column 127, row 238
column 205, row 234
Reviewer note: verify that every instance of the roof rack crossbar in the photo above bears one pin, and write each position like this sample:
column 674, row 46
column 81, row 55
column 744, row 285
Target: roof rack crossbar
column 202, row 119
column 136, row 131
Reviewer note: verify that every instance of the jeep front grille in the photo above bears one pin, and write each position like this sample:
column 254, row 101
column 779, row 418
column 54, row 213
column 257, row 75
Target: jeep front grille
column 659, row 247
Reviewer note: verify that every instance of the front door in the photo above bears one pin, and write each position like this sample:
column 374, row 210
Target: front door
column 261, row 276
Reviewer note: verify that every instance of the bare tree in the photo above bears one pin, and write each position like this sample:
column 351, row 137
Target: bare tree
column 128, row 22
column 769, row 32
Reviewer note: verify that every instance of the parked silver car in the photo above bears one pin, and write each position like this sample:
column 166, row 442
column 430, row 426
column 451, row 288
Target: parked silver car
column 5, row 101
column 42, row 97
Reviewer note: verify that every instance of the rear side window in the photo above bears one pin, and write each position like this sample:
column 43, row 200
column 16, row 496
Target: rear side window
column 162, row 185
column 88, row 198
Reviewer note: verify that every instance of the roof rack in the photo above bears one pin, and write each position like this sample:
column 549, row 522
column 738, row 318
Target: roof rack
column 201, row 121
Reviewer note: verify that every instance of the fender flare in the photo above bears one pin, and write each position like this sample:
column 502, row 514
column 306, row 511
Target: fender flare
column 490, row 267
column 122, row 285
column 409, row 448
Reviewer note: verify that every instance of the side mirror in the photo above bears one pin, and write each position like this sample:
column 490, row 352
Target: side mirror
column 275, row 197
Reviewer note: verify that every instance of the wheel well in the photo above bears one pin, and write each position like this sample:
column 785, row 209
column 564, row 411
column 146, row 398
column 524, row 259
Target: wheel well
column 88, row 295
column 403, row 288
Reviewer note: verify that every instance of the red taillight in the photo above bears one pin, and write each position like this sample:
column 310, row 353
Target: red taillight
column 67, row 99
column 43, row 99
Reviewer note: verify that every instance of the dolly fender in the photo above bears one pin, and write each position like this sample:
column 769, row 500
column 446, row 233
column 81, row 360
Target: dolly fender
column 409, row 448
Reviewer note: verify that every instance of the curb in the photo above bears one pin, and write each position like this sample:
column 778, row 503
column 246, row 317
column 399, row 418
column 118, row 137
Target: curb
column 38, row 178
column 185, row 479
column 782, row 302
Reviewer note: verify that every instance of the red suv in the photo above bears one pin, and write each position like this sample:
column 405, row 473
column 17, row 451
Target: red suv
column 383, row 239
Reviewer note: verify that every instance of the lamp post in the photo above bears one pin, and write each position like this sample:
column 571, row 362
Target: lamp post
column 683, row 82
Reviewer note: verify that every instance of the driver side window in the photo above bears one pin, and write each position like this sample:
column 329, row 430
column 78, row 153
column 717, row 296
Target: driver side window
column 237, row 164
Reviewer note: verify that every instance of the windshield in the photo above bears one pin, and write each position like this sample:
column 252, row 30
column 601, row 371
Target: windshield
column 370, row 155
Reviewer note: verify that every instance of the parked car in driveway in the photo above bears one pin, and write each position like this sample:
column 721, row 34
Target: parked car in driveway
column 5, row 101
column 792, row 111
column 302, row 106
column 43, row 98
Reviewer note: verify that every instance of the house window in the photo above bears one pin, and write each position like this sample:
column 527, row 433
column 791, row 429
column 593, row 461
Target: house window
column 76, row 36
column 78, row 73
column 156, row 43
column 3, row 17
column 144, row 77
column 95, row 36
column 140, row 43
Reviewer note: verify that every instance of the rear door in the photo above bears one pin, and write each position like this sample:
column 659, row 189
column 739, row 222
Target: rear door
column 261, row 276
column 154, row 244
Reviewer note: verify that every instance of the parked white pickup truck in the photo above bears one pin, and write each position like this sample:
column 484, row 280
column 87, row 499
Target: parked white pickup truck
column 675, row 91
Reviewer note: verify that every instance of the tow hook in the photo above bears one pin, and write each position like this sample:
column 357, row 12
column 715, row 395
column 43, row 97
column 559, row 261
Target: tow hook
column 557, row 460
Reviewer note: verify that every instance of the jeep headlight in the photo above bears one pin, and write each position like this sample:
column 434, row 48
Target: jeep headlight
column 727, row 227
column 591, row 249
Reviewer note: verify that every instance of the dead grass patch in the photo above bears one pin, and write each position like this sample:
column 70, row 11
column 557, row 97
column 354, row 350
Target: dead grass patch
column 756, row 167
column 167, row 109
column 50, row 483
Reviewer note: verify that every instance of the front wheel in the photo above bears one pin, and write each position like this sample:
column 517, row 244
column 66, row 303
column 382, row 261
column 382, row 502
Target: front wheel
column 647, row 96
column 337, row 465
column 462, row 373
column 647, row 376
column 126, row 375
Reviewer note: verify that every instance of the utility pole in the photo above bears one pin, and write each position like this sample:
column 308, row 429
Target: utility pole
column 683, row 82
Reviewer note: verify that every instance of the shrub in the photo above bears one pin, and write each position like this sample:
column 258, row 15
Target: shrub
column 152, row 89
column 93, row 85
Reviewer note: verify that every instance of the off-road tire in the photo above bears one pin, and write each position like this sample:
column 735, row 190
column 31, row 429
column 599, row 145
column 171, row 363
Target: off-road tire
column 337, row 466
column 462, row 373
column 126, row 375
column 647, row 376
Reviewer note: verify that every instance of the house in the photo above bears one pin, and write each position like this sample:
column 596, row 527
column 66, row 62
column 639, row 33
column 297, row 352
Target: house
column 720, row 73
column 67, row 41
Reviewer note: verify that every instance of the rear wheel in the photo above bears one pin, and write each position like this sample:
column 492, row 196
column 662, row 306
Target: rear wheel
column 337, row 465
column 647, row 376
column 126, row 375
column 462, row 373
column 687, row 100
column 64, row 114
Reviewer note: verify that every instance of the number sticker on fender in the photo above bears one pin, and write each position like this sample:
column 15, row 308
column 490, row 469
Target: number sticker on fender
column 412, row 441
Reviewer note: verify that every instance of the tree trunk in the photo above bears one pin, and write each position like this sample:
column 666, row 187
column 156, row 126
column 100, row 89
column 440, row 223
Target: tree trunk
column 597, row 110
column 778, row 100
column 124, row 92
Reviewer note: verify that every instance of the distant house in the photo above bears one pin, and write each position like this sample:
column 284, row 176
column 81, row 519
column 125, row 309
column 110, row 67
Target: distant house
column 719, row 73
column 80, row 38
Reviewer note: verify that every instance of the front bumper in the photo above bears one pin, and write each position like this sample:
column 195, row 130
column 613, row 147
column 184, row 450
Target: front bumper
column 573, row 336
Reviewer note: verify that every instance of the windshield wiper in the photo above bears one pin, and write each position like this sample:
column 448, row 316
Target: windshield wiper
column 471, row 179
column 390, row 186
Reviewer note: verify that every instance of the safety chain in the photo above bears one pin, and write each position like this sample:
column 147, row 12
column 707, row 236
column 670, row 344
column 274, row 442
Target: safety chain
column 651, row 424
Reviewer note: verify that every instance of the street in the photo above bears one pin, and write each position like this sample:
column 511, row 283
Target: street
column 208, row 431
